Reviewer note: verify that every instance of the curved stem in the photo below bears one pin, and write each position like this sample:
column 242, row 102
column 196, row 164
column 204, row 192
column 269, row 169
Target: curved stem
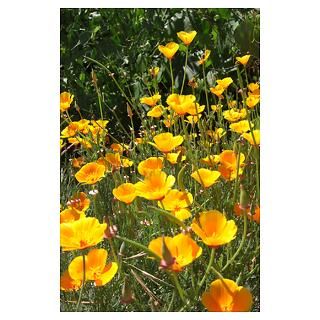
column 185, row 68
column 178, row 287
column 172, row 81
column 207, row 270
column 205, row 88
column 241, row 243
column 83, row 282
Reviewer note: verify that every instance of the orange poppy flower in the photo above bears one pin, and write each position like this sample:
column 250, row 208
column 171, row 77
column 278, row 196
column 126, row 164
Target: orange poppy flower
column 206, row 177
column 155, row 112
column 228, row 164
column 69, row 284
column 254, row 89
column 181, row 104
column 90, row 173
column 149, row 165
column 169, row 50
column 182, row 249
column 241, row 126
column 256, row 216
column 176, row 202
column 248, row 137
column 78, row 162
column 173, row 157
column 66, row 99
column 79, row 202
column 214, row 229
column 234, row 115
column 126, row 192
column 166, row 142
column 252, row 101
column 71, row 130
column 96, row 268
column 186, row 37
column 225, row 295
column 81, row 234
column 70, row 215
column 225, row 82
column 217, row 90
column 155, row 185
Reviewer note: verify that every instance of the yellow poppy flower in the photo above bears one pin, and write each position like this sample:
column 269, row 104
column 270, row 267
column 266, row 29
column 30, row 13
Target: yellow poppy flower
column 169, row 50
column 216, row 134
column 193, row 119
column 195, row 109
column 211, row 160
column 217, row 90
column 216, row 107
column 126, row 163
column 225, row 82
column 126, row 192
column 182, row 249
column 181, row 104
column 83, row 126
column 79, row 202
column 239, row 212
column 96, row 268
column 154, row 71
column 66, row 99
column 244, row 59
column 81, row 234
column 176, row 202
column 240, row 126
column 252, row 101
column 117, row 147
column 71, row 130
column 166, row 142
column 155, row 185
column 149, row 165
column 254, row 88
column 204, row 57
column 173, row 157
column 228, row 164
column 232, row 104
column 69, row 284
column 151, row 101
column 234, row 115
column 187, row 37
column 100, row 123
column 90, row 173
column 206, row 177
column 169, row 121
column 248, row 137
column 70, row 214
column 225, row 295
column 214, row 229
column 61, row 144
column 155, row 112
column 78, row 162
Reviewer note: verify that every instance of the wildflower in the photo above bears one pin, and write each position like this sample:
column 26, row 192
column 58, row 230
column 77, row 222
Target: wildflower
column 71, row 130
column 182, row 249
column 211, row 160
column 216, row 107
column 169, row 50
column 225, row 295
column 181, row 104
column 216, row 134
column 79, row 202
column 90, row 173
column 70, row 215
column 254, row 89
column 225, row 82
column 176, row 202
column 214, row 229
column 149, row 165
column 232, row 104
column 154, row 71
column 81, row 234
column 228, row 164
column 234, row 115
column 66, row 99
column 126, row 192
column 100, row 123
column 217, row 90
column 252, row 101
column 238, row 211
column 248, row 137
column 187, row 37
column 206, row 177
column 241, row 126
column 204, row 57
column 69, row 284
column 155, row 185
column 244, row 59
column 175, row 157
column 77, row 162
column 116, row 161
column 155, row 112
column 193, row 119
column 166, row 142
column 151, row 101
column 61, row 144
column 195, row 109
column 117, row 147
column 96, row 268
column 169, row 121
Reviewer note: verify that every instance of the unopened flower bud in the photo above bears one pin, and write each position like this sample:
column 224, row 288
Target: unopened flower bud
column 110, row 232
column 244, row 199
column 167, row 259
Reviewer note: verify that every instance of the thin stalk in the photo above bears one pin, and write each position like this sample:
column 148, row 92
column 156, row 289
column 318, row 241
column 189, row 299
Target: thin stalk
column 172, row 81
column 83, row 281
column 178, row 287
column 241, row 243
column 205, row 88
column 237, row 176
column 185, row 68
column 207, row 270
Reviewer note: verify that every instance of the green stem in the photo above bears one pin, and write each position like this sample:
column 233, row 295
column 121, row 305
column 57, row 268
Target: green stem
column 115, row 257
column 172, row 81
column 185, row 68
column 140, row 246
column 241, row 243
column 205, row 88
column 237, row 176
column 83, row 281
column 207, row 270
column 178, row 287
